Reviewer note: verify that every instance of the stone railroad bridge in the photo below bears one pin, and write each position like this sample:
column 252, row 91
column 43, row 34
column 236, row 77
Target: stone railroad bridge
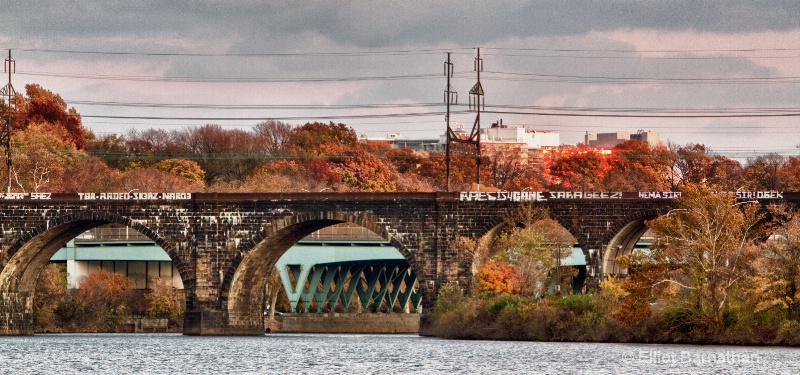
column 225, row 245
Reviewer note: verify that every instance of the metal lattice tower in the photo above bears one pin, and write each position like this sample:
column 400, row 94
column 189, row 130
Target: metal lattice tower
column 475, row 103
column 8, row 94
column 450, row 97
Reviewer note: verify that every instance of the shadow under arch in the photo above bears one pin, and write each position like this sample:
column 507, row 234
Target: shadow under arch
column 244, row 282
column 27, row 257
column 623, row 243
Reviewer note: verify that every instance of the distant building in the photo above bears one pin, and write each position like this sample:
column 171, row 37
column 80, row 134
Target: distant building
column 608, row 140
column 533, row 139
column 517, row 142
column 498, row 139
column 395, row 140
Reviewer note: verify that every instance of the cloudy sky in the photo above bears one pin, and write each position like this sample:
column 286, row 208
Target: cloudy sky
column 722, row 73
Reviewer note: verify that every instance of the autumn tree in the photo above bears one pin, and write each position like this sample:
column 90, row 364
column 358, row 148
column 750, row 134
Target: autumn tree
column 582, row 170
column 725, row 173
column 89, row 174
column 188, row 170
column 512, row 173
column 762, row 172
column 311, row 137
column 51, row 293
column 637, row 166
column 789, row 174
column 39, row 159
column 497, row 276
column 110, row 148
column 224, row 155
column 107, row 297
column 272, row 137
column 404, row 159
column 704, row 249
column 462, row 170
column 154, row 180
column 691, row 165
column 779, row 264
column 143, row 148
column 531, row 243
column 165, row 301
column 43, row 107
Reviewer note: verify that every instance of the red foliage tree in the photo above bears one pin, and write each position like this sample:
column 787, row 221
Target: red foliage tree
column 41, row 106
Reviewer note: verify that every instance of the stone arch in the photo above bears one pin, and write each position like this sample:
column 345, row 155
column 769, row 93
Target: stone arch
column 27, row 256
column 487, row 235
column 627, row 233
column 246, row 277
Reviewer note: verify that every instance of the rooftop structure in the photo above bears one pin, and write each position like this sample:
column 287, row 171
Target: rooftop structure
column 612, row 139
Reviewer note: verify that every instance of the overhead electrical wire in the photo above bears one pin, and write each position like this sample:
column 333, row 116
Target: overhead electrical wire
column 499, row 76
column 234, row 54
column 224, row 80
column 500, row 109
column 501, row 51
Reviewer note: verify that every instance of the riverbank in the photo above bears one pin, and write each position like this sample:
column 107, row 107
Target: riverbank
column 126, row 325
column 595, row 317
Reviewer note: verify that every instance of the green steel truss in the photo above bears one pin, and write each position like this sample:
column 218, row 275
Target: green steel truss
column 378, row 283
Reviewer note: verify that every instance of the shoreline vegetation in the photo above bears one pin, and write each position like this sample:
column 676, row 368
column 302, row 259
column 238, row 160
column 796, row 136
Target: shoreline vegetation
column 593, row 317
column 106, row 302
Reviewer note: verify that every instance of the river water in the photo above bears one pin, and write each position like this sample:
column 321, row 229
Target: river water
column 370, row 354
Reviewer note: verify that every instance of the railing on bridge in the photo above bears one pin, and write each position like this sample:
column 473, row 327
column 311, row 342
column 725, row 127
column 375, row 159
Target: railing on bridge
column 343, row 232
column 111, row 234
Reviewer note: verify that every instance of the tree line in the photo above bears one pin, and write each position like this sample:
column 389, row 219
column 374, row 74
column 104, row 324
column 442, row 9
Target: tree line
column 51, row 151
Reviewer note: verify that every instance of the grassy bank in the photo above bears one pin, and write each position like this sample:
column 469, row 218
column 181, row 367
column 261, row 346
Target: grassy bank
column 598, row 317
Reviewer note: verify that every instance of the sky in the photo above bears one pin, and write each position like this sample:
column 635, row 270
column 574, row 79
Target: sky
column 722, row 73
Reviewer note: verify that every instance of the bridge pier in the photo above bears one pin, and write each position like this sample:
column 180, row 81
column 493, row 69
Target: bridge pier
column 207, row 322
column 16, row 313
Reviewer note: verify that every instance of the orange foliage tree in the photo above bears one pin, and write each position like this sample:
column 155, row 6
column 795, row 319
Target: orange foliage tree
column 582, row 170
column 107, row 295
column 498, row 276
column 637, row 166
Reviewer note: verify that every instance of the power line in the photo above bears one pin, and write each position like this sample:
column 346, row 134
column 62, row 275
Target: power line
column 734, row 110
column 582, row 50
column 251, row 106
column 323, row 118
column 641, row 80
column 225, row 80
column 503, row 76
column 427, row 51
column 440, row 113
column 271, row 54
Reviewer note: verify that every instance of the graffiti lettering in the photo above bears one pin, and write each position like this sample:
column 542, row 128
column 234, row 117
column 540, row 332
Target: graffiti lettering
column 759, row 195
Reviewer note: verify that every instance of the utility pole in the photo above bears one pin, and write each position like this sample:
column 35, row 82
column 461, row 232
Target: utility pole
column 450, row 97
column 8, row 93
column 476, row 103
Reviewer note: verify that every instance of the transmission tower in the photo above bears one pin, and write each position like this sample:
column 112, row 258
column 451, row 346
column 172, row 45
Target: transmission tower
column 450, row 97
column 475, row 103
column 8, row 94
